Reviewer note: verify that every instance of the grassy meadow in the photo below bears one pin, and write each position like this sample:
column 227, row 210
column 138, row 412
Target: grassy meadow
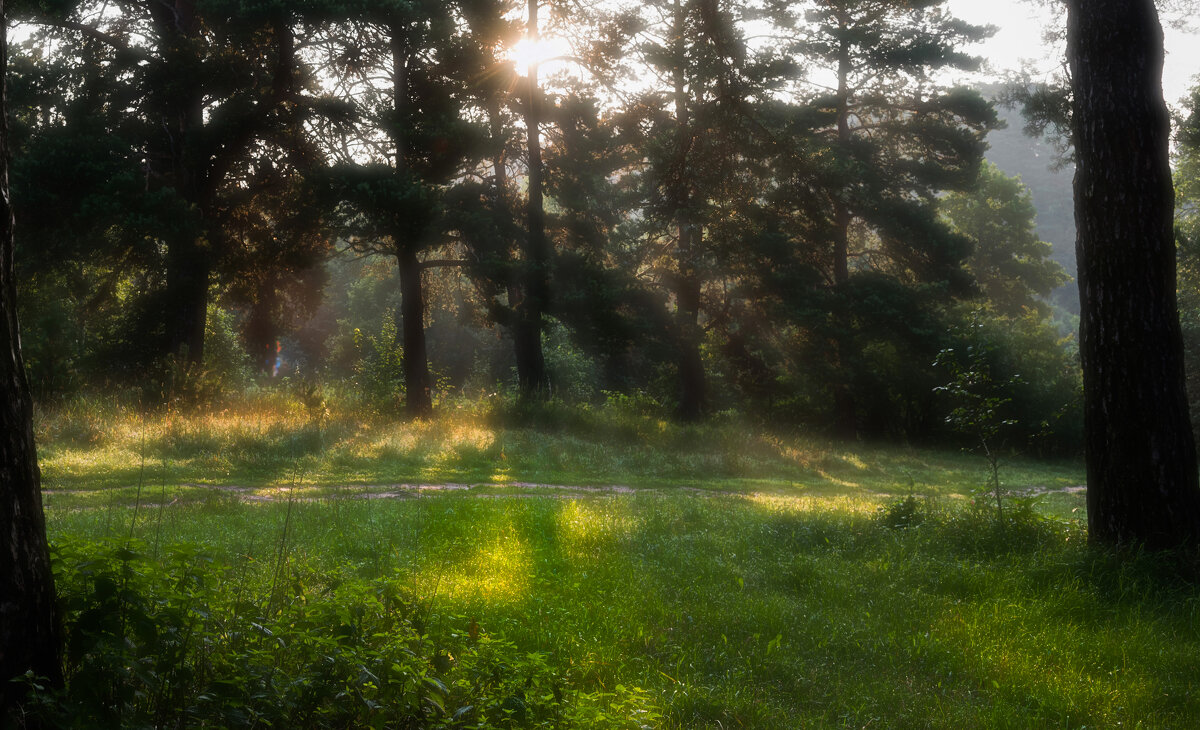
column 274, row 564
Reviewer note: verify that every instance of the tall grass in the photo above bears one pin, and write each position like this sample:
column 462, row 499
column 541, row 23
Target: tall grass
column 725, row 610
column 259, row 442
column 748, row 579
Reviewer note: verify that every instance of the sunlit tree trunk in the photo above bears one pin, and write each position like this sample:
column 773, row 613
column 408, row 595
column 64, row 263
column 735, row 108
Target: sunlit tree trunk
column 533, row 299
column 1141, row 458
column 30, row 637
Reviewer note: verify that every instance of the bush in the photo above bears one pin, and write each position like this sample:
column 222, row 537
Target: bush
column 192, row 642
column 903, row 513
column 379, row 371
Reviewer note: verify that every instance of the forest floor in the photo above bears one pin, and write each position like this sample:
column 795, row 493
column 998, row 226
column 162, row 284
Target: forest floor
column 650, row 575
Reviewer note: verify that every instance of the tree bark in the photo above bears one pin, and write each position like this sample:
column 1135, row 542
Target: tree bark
column 188, row 269
column 417, row 399
column 534, row 299
column 1141, row 458
column 845, row 406
column 693, row 386
column 188, row 260
column 30, row 634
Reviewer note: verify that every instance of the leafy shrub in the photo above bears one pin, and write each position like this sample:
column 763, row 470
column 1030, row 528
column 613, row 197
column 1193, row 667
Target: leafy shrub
column 190, row 641
column 903, row 513
column 379, row 371
column 1020, row 529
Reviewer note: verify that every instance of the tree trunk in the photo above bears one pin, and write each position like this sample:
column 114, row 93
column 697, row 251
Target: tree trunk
column 261, row 333
column 188, row 260
column 531, row 304
column 845, row 406
column 417, row 399
column 693, row 390
column 188, row 269
column 30, row 634
column 693, row 386
column 1141, row 459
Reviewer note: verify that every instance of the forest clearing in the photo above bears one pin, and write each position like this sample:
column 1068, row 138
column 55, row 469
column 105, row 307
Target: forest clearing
column 477, row 364
column 736, row 578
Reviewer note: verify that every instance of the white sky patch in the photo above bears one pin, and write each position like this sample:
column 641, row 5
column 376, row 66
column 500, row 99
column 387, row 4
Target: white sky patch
column 1021, row 38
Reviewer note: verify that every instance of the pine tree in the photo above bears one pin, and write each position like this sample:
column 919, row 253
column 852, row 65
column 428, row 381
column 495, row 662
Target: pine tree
column 30, row 634
column 404, row 141
column 201, row 83
column 894, row 140
column 1141, row 457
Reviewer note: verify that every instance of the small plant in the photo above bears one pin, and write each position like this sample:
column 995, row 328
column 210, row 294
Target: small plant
column 903, row 513
column 979, row 404
column 380, row 368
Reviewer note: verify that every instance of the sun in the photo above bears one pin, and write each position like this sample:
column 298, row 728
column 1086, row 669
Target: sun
column 527, row 52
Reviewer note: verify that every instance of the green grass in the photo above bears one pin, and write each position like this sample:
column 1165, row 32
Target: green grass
column 94, row 454
column 749, row 580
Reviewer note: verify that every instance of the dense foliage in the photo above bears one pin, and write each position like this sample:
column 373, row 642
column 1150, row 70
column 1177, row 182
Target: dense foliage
column 720, row 229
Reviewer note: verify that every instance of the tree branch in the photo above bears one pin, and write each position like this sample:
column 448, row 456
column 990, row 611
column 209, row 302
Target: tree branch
column 95, row 33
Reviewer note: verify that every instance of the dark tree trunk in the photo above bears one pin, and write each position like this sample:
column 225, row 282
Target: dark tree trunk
column 188, row 259
column 188, row 269
column 30, row 636
column 693, row 386
column 845, row 406
column 261, row 333
column 417, row 400
column 534, row 299
column 1141, row 459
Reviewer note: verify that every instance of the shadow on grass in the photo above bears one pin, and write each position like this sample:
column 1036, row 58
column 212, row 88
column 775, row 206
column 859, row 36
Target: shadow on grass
column 765, row 612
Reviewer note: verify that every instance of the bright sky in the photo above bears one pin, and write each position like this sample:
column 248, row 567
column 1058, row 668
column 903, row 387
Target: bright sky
column 1020, row 36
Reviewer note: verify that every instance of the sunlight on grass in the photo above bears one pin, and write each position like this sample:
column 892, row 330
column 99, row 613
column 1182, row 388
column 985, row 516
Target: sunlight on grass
column 499, row 570
column 271, row 440
column 587, row 528
column 834, row 480
column 854, row 461
column 766, row 609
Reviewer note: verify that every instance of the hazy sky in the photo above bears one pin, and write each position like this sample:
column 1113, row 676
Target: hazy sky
column 1022, row 26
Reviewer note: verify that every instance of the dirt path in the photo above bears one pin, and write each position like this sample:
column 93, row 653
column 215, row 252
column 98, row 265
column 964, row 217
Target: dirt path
column 405, row 491
column 381, row 491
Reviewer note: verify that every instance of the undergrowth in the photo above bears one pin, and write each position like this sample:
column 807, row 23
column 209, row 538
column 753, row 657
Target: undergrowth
column 647, row 610
column 190, row 641
column 238, row 568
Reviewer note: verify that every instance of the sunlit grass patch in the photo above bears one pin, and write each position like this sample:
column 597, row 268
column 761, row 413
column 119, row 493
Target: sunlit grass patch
column 770, row 610
column 267, row 441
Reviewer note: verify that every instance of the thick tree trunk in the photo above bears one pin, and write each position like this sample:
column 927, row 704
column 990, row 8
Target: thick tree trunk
column 188, row 259
column 531, row 305
column 1141, row 459
column 417, row 400
column 261, row 333
column 188, row 269
column 30, row 636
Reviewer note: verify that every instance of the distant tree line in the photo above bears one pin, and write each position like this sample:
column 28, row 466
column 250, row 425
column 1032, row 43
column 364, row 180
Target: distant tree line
column 763, row 207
